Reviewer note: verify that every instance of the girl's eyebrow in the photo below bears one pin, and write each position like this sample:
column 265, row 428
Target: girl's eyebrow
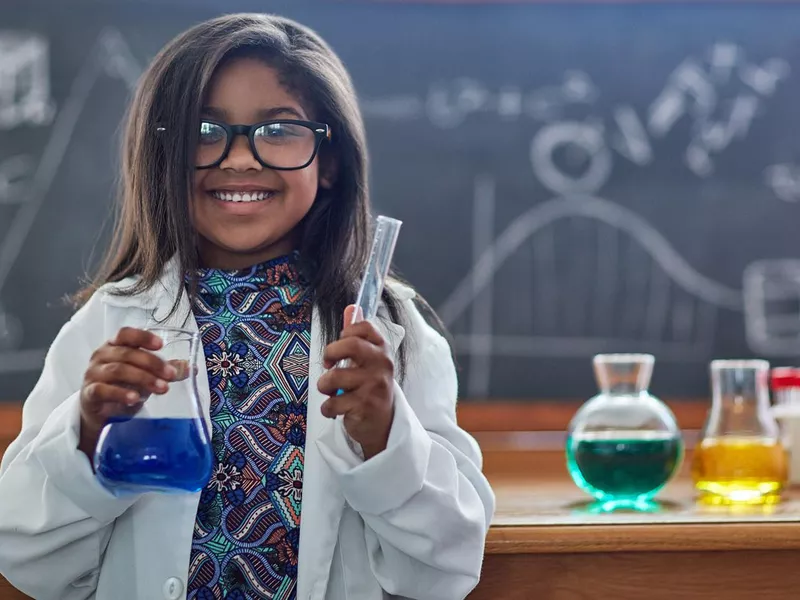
column 270, row 113
column 264, row 113
column 215, row 113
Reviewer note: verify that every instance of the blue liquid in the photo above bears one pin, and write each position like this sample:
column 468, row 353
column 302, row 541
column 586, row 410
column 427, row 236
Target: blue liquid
column 161, row 455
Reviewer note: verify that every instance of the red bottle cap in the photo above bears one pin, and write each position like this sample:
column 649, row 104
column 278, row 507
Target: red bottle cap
column 785, row 377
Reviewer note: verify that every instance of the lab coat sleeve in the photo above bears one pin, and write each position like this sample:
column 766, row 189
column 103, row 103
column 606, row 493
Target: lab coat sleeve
column 55, row 517
column 424, row 500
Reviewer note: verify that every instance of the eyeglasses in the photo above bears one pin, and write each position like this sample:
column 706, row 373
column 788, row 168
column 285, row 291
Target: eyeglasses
column 284, row 144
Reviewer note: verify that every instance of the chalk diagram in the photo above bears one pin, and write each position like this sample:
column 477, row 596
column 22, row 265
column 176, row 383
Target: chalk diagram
column 25, row 99
column 581, row 306
column 24, row 80
column 682, row 307
column 667, row 307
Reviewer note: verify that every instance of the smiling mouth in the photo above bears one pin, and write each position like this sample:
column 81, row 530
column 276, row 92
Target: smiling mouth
column 254, row 196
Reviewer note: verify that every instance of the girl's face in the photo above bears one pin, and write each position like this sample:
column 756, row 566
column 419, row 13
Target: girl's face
column 234, row 233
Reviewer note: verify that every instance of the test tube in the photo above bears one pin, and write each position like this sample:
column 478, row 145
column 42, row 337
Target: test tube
column 372, row 282
column 380, row 258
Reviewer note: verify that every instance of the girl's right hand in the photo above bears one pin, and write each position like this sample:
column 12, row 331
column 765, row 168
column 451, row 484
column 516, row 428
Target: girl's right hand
column 120, row 377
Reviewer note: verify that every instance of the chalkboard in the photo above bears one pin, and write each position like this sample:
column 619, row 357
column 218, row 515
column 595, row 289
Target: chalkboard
column 572, row 179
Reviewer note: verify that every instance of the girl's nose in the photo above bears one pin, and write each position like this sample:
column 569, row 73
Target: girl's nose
column 240, row 156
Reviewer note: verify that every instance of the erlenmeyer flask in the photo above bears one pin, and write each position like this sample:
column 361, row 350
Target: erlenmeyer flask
column 165, row 446
column 740, row 459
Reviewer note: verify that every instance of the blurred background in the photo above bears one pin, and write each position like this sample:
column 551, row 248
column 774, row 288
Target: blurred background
column 573, row 178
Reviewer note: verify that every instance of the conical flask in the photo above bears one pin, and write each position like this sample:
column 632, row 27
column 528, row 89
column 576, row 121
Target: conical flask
column 165, row 446
column 740, row 458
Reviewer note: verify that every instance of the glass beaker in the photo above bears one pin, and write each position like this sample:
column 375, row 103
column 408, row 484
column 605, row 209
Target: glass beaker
column 740, row 458
column 165, row 446
column 623, row 444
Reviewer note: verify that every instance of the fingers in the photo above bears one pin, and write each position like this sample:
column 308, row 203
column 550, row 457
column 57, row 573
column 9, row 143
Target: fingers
column 181, row 369
column 141, row 359
column 358, row 351
column 104, row 396
column 340, row 379
column 346, row 404
column 348, row 314
column 137, row 338
column 354, row 351
column 364, row 330
column 101, row 402
column 127, row 375
column 123, row 372
column 363, row 347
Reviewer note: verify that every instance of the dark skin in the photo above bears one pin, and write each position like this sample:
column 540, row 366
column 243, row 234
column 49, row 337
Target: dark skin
column 124, row 373
column 367, row 404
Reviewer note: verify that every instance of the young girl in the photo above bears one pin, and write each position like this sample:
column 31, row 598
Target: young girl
column 246, row 215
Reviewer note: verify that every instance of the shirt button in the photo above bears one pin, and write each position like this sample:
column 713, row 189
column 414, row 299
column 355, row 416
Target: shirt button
column 173, row 588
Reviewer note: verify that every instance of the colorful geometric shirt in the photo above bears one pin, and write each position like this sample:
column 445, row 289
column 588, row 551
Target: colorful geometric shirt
column 255, row 325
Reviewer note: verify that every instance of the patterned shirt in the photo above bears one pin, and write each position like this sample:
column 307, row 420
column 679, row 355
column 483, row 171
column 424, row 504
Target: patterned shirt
column 255, row 325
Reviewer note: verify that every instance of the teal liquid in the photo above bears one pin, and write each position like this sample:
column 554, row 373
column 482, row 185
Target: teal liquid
column 623, row 467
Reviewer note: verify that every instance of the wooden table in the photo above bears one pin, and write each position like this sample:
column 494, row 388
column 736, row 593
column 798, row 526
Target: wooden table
column 545, row 543
column 8, row 592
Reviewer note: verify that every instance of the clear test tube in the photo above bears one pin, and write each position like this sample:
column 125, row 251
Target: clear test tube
column 374, row 278
column 380, row 259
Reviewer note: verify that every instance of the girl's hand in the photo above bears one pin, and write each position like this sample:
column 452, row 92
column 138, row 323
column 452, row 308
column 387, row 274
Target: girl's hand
column 120, row 377
column 367, row 383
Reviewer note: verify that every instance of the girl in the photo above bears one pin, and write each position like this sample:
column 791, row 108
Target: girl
column 245, row 214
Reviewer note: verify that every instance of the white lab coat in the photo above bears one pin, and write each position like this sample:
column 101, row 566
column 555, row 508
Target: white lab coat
column 408, row 523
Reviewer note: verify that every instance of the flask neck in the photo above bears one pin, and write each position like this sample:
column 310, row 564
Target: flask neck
column 740, row 400
column 625, row 374
column 740, row 386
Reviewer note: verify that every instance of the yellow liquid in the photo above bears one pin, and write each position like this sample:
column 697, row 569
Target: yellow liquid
column 739, row 470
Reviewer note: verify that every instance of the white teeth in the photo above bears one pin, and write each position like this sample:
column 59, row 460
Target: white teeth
column 242, row 197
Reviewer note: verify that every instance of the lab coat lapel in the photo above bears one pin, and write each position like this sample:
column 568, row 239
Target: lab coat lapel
column 322, row 498
column 323, row 501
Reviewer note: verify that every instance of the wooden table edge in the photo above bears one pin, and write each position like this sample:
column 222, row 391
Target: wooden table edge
column 672, row 537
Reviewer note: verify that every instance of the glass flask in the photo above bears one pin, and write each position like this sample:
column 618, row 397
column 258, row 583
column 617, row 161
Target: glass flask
column 623, row 445
column 165, row 446
column 740, row 458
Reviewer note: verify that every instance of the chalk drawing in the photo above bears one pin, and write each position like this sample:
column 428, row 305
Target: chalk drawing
column 110, row 55
column 24, row 80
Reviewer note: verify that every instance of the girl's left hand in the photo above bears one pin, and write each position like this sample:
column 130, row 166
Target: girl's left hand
column 368, row 382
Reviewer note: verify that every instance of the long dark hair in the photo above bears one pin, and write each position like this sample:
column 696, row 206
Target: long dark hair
column 155, row 221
